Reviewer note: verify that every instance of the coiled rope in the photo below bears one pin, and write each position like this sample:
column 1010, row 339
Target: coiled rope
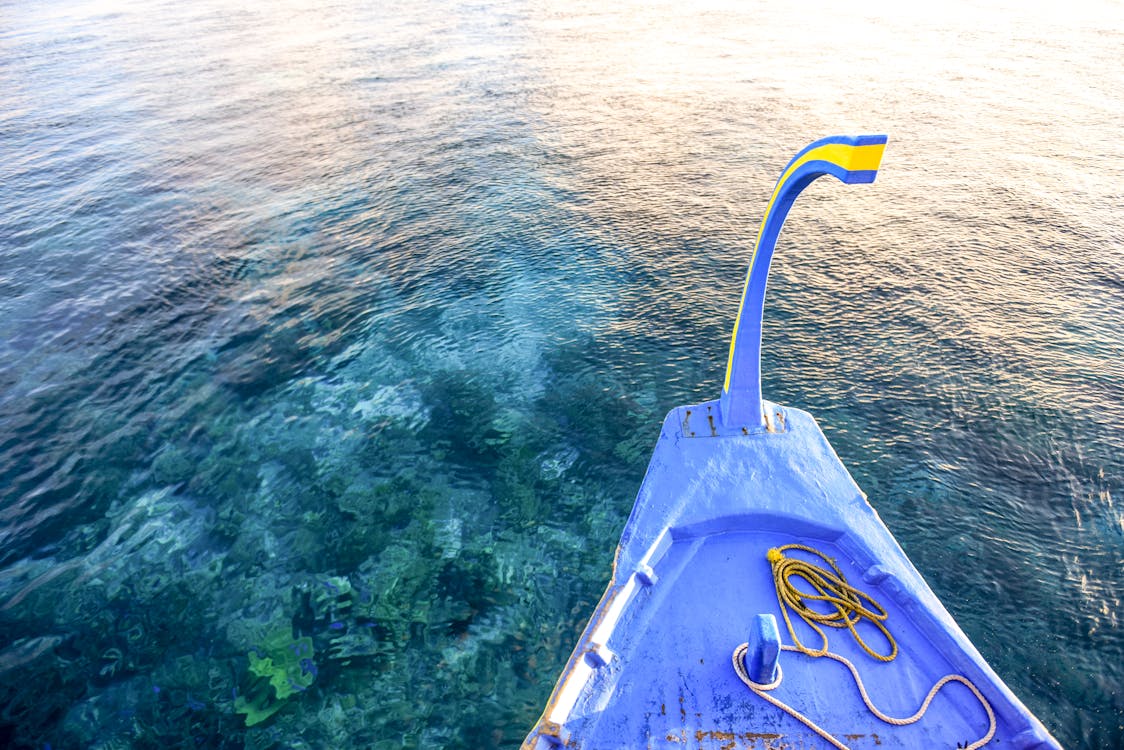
column 847, row 602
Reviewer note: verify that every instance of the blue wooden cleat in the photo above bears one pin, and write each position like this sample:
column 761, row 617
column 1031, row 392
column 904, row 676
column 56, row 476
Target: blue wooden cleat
column 764, row 650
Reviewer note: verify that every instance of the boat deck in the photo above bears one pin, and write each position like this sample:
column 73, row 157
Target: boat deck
column 691, row 575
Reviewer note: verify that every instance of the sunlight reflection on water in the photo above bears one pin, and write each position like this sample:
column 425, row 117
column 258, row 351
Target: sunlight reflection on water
column 389, row 302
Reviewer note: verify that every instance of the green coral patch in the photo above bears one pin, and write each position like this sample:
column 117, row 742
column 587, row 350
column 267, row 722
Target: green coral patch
column 282, row 667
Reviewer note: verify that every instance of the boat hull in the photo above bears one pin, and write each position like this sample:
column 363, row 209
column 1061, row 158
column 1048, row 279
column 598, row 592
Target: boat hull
column 654, row 665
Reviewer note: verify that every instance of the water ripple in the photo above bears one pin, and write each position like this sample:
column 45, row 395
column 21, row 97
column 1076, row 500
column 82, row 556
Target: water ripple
column 357, row 323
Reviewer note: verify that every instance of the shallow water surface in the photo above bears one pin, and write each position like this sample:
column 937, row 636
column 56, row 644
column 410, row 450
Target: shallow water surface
column 334, row 340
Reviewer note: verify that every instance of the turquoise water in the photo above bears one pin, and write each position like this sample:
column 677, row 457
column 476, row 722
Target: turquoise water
column 340, row 336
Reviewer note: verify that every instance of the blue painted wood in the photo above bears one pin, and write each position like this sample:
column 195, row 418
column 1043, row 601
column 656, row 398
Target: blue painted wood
column 852, row 160
column 653, row 667
column 764, row 649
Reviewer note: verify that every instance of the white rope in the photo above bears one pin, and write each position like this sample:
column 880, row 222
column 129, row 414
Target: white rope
column 762, row 690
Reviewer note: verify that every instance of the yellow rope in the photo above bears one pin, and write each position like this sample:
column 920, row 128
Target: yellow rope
column 848, row 605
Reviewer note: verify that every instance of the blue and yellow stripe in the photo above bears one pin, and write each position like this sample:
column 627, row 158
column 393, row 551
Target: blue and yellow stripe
column 851, row 159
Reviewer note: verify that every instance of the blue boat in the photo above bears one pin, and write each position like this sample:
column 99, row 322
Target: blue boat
column 757, row 599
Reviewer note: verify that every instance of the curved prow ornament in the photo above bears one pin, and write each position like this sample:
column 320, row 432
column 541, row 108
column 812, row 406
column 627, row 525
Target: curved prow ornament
column 851, row 159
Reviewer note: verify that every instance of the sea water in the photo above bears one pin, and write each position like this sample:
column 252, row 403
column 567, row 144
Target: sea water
column 335, row 338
